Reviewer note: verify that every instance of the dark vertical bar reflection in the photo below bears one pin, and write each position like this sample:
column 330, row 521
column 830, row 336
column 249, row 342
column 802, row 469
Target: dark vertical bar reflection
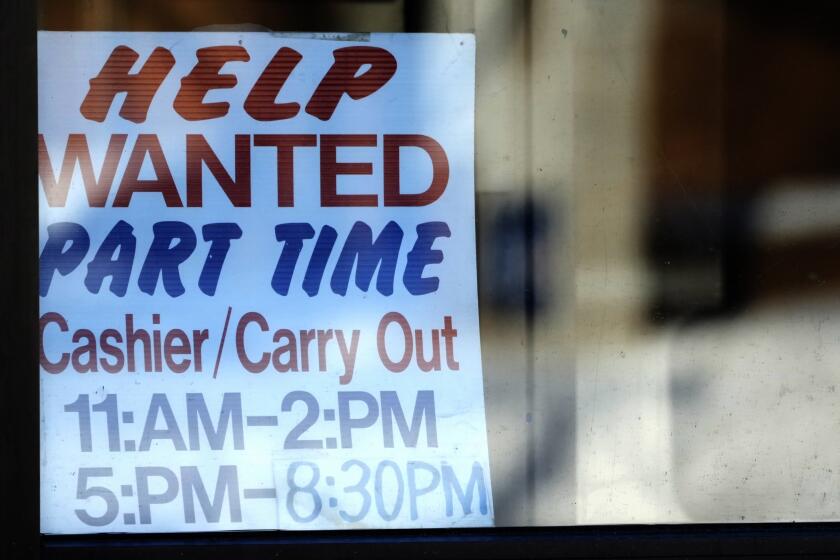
column 529, row 300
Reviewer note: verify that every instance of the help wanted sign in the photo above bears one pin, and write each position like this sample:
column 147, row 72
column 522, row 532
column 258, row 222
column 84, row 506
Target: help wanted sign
column 258, row 283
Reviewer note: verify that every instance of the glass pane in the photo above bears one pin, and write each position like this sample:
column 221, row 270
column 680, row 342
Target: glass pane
column 655, row 224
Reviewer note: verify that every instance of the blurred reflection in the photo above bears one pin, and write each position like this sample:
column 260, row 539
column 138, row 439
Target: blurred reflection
column 518, row 230
column 741, row 235
column 743, row 114
column 656, row 188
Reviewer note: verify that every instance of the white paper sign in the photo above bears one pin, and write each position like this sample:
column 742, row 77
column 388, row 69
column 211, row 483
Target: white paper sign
column 258, row 283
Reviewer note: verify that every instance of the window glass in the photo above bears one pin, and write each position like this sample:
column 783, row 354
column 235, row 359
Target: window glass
column 654, row 220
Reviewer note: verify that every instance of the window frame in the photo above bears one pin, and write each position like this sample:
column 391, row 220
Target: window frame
column 20, row 419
